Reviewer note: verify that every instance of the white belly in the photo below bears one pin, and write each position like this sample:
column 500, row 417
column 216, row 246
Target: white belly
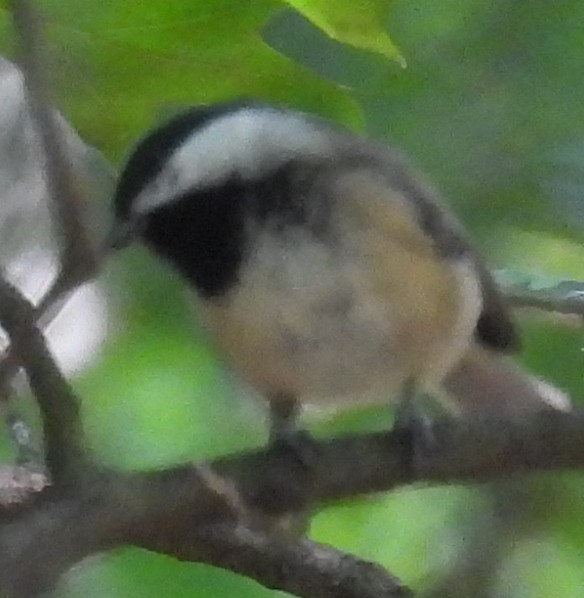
column 330, row 324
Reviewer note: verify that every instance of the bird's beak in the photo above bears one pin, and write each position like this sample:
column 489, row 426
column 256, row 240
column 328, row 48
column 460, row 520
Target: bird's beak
column 122, row 234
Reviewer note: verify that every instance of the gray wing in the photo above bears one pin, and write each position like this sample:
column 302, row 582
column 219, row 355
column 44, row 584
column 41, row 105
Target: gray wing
column 495, row 328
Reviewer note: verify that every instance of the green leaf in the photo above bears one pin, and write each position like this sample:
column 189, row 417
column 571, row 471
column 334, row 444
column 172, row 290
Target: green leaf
column 133, row 573
column 360, row 24
column 119, row 65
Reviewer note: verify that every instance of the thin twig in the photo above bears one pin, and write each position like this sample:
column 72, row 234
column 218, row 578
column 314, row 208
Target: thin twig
column 49, row 307
column 59, row 407
column 559, row 296
column 78, row 258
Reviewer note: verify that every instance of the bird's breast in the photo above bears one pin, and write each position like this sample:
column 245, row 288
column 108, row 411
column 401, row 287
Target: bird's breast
column 353, row 315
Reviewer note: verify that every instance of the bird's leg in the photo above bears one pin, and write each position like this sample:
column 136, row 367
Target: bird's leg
column 405, row 412
column 283, row 414
column 414, row 428
column 286, row 437
column 298, row 449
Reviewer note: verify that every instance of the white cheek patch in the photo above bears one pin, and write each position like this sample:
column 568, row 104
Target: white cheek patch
column 248, row 144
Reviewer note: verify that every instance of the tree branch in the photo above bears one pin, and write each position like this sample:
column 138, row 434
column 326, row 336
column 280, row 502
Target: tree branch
column 166, row 510
column 306, row 564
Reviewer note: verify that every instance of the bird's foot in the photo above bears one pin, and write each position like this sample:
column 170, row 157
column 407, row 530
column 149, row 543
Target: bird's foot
column 414, row 429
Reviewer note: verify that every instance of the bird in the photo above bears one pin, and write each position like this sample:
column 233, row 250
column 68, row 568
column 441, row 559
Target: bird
column 325, row 268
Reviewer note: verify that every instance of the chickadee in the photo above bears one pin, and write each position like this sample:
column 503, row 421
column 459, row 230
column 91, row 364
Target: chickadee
column 326, row 270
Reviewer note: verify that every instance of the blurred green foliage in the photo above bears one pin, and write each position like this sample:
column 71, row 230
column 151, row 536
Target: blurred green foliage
column 490, row 106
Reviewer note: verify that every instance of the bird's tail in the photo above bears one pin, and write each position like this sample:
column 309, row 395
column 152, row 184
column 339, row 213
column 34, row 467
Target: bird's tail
column 486, row 381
